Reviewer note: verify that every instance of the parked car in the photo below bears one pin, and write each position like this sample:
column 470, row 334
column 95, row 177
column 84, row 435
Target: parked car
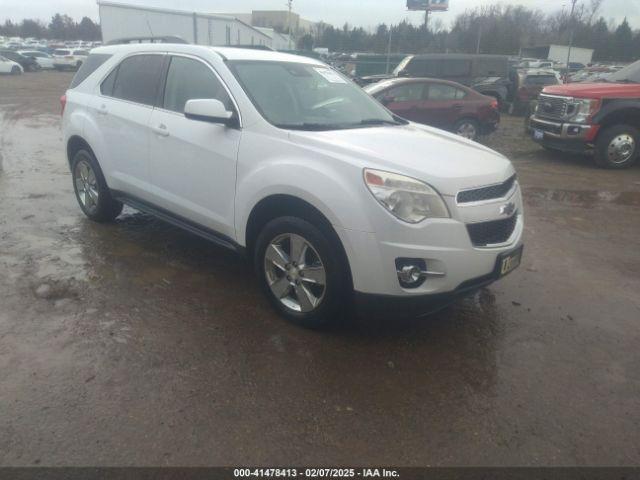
column 27, row 64
column 487, row 74
column 9, row 66
column 442, row 104
column 44, row 59
column 528, row 85
column 598, row 118
column 69, row 59
column 283, row 158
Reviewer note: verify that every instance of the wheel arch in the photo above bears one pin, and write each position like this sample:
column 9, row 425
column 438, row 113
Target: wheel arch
column 74, row 145
column 279, row 205
column 625, row 116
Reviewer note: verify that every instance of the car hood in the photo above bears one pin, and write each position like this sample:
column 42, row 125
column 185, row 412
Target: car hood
column 595, row 90
column 447, row 162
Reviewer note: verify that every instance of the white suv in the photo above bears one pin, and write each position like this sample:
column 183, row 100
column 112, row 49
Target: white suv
column 280, row 157
column 69, row 58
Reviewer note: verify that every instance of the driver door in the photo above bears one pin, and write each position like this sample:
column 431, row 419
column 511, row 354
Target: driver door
column 406, row 101
column 193, row 163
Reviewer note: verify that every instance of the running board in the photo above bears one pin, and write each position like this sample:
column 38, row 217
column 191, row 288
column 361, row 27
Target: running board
column 178, row 221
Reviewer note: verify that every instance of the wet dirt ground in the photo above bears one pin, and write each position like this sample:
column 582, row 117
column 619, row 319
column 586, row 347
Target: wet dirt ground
column 138, row 344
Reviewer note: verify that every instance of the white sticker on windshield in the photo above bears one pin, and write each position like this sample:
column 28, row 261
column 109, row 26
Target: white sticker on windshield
column 330, row 75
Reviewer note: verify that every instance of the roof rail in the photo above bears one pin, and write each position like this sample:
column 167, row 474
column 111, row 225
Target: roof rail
column 165, row 39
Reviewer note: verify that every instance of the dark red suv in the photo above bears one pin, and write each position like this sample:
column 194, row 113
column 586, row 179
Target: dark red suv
column 439, row 103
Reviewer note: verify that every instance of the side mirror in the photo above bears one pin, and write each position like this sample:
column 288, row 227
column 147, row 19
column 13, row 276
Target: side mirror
column 210, row 110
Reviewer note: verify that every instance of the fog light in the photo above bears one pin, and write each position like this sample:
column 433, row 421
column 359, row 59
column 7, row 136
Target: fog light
column 573, row 130
column 411, row 272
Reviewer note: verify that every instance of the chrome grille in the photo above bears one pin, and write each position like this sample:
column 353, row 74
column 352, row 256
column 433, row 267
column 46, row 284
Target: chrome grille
column 486, row 193
column 552, row 107
column 493, row 232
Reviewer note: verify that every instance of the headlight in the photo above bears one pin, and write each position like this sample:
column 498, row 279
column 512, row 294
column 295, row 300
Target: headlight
column 580, row 109
column 407, row 198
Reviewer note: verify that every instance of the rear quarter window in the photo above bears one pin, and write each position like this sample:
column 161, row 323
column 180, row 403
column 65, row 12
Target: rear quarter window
column 90, row 65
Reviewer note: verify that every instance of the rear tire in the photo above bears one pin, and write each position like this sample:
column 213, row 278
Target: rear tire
column 308, row 289
column 467, row 128
column 618, row 147
column 91, row 189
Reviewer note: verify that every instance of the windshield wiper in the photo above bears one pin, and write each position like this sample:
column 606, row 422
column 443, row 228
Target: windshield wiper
column 379, row 121
column 312, row 126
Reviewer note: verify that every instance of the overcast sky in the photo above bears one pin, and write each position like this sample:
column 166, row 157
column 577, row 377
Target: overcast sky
column 366, row 13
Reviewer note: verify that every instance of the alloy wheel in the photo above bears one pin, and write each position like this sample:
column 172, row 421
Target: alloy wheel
column 467, row 130
column 621, row 148
column 86, row 186
column 295, row 272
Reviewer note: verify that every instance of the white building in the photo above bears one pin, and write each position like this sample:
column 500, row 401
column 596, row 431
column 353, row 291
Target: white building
column 119, row 20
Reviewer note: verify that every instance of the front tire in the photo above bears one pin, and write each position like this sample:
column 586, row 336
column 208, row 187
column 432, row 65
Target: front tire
column 302, row 272
column 91, row 190
column 618, row 147
column 16, row 71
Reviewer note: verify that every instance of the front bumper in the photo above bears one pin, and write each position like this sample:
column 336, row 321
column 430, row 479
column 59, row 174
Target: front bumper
column 445, row 246
column 570, row 137
column 373, row 305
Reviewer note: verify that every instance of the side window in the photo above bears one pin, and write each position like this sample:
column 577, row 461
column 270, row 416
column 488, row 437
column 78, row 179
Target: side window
column 92, row 63
column 460, row 94
column 138, row 79
column 106, row 88
column 440, row 92
column 190, row 79
column 411, row 92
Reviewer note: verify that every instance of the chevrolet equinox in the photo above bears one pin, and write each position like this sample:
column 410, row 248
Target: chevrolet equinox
column 331, row 195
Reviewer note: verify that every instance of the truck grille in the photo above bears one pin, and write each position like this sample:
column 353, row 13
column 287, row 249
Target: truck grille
column 552, row 107
column 493, row 232
column 486, row 193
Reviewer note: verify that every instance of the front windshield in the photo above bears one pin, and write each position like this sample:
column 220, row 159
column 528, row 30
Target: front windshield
column 630, row 73
column 307, row 96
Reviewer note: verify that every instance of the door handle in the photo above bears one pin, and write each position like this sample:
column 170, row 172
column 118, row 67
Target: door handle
column 161, row 130
column 102, row 110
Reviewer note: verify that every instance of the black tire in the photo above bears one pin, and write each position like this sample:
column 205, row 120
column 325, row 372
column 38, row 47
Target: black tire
column 106, row 209
column 470, row 124
column 16, row 71
column 625, row 136
column 331, row 307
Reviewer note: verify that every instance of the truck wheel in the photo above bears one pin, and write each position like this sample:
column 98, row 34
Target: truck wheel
column 92, row 192
column 301, row 272
column 617, row 147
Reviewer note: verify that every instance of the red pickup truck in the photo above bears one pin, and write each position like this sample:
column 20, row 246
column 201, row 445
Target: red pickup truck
column 599, row 118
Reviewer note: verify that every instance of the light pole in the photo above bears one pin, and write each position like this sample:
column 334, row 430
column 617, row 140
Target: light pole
column 290, row 5
column 571, row 27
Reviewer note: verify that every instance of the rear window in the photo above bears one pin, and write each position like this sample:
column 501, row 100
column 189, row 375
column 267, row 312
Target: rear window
column 90, row 65
column 541, row 80
column 61, row 52
column 138, row 79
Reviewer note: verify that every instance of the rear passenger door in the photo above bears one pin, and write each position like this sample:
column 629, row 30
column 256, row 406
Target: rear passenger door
column 193, row 163
column 445, row 104
column 123, row 111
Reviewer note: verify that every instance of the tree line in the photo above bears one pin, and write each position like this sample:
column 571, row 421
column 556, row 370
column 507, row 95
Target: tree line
column 61, row 27
column 496, row 29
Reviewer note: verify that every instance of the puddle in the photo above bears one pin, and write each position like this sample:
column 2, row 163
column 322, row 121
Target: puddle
column 583, row 198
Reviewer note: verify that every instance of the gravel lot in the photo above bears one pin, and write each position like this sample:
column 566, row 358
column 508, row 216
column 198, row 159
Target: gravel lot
column 138, row 344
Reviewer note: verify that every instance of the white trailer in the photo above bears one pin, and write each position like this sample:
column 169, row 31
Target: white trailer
column 119, row 21
column 559, row 53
